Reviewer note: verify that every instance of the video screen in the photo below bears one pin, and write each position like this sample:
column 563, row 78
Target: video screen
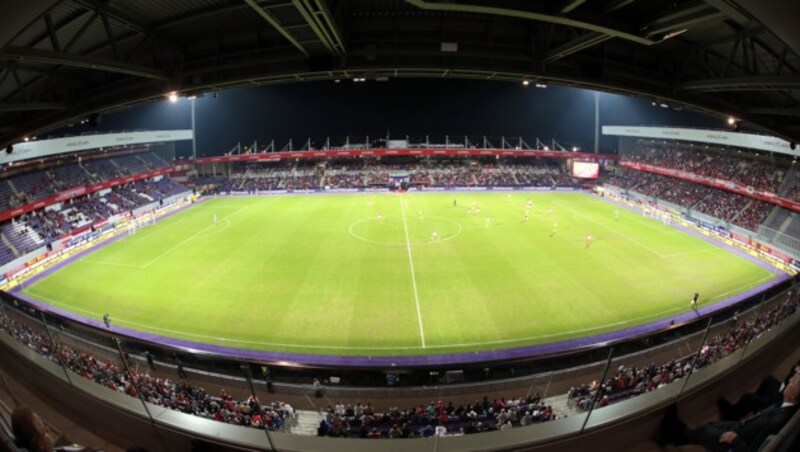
column 586, row 170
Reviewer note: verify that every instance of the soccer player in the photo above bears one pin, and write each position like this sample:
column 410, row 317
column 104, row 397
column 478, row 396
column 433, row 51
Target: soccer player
column 616, row 215
column 529, row 204
column 549, row 210
column 434, row 235
column 420, row 215
column 369, row 203
column 488, row 221
column 588, row 240
column 107, row 320
column 694, row 300
column 555, row 229
column 380, row 216
column 525, row 215
column 215, row 219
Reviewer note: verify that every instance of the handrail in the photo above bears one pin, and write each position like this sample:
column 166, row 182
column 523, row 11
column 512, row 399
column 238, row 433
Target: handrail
column 781, row 441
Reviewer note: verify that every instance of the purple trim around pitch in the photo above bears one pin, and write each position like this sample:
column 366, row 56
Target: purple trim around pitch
column 415, row 360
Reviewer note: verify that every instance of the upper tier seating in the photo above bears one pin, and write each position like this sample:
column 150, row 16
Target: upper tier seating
column 72, row 175
column 23, row 237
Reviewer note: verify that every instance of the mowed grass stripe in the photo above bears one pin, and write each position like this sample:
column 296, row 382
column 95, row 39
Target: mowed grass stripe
column 321, row 274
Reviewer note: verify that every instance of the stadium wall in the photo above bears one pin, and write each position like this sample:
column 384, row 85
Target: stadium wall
column 20, row 261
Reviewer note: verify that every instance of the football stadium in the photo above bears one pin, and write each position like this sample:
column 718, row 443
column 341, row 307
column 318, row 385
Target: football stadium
column 444, row 225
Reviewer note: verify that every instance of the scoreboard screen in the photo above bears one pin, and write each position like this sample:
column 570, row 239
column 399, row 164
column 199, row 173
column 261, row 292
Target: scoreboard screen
column 585, row 170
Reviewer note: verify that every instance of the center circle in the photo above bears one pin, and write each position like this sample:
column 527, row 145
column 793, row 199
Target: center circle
column 390, row 230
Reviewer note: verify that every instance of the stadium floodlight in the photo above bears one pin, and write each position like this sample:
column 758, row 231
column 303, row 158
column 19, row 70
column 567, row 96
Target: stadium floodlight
column 173, row 96
column 547, row 148
column 574, row 148
column 731, row 120
column 526, row 82
column 27, row 139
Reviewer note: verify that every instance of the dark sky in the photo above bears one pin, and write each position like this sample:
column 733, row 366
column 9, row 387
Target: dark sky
column 402, row 107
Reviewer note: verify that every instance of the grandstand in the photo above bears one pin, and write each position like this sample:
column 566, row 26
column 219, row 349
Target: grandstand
column 630, row 377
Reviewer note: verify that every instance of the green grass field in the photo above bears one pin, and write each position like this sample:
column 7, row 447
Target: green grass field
column 322, row 274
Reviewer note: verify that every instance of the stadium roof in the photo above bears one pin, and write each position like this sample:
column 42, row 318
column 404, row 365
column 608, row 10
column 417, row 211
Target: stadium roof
column 64, row 60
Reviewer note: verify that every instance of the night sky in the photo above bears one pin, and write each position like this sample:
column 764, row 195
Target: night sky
column 400, row 107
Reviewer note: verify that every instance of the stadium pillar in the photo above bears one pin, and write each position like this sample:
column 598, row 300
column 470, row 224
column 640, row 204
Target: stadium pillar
column 597, row 392
column 249, row 377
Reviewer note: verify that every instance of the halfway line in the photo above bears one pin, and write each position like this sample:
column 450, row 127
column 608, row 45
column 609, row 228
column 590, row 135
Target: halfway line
column 411, row 265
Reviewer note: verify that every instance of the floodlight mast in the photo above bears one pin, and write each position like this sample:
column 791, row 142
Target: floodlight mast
column 194, row 131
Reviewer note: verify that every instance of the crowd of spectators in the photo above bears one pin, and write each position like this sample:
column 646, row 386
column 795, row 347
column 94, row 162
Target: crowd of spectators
column 177, row 395
column 40, row 183
column 53, row 222
column 754, row 215
column 253, row 177
column 433, row 419
column 754, row 173
column 344, row 180
column 685, row 193
column 340, row 420
column 721, row 204
column 630, row 381
column 361, row 420
column 731, row 207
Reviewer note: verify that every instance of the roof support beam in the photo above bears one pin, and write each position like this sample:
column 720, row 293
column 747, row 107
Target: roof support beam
column 775, row 111
column 110, row 35
column 277, row 26
column 336, row 35
column 749, row 83
column 32, row 106
column 576, row 45
column 200, row 14
column 729, row 9
column 79, row 34
column 52, row 32
column 111, row 13
column 86, row 62
column 616, row 4
column 318, row 18
column 530, row 15
column 20, row 85
column 569, row 5
column 684, row 18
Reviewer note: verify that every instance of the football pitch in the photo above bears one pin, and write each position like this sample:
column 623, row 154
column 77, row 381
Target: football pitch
column 397, row 274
